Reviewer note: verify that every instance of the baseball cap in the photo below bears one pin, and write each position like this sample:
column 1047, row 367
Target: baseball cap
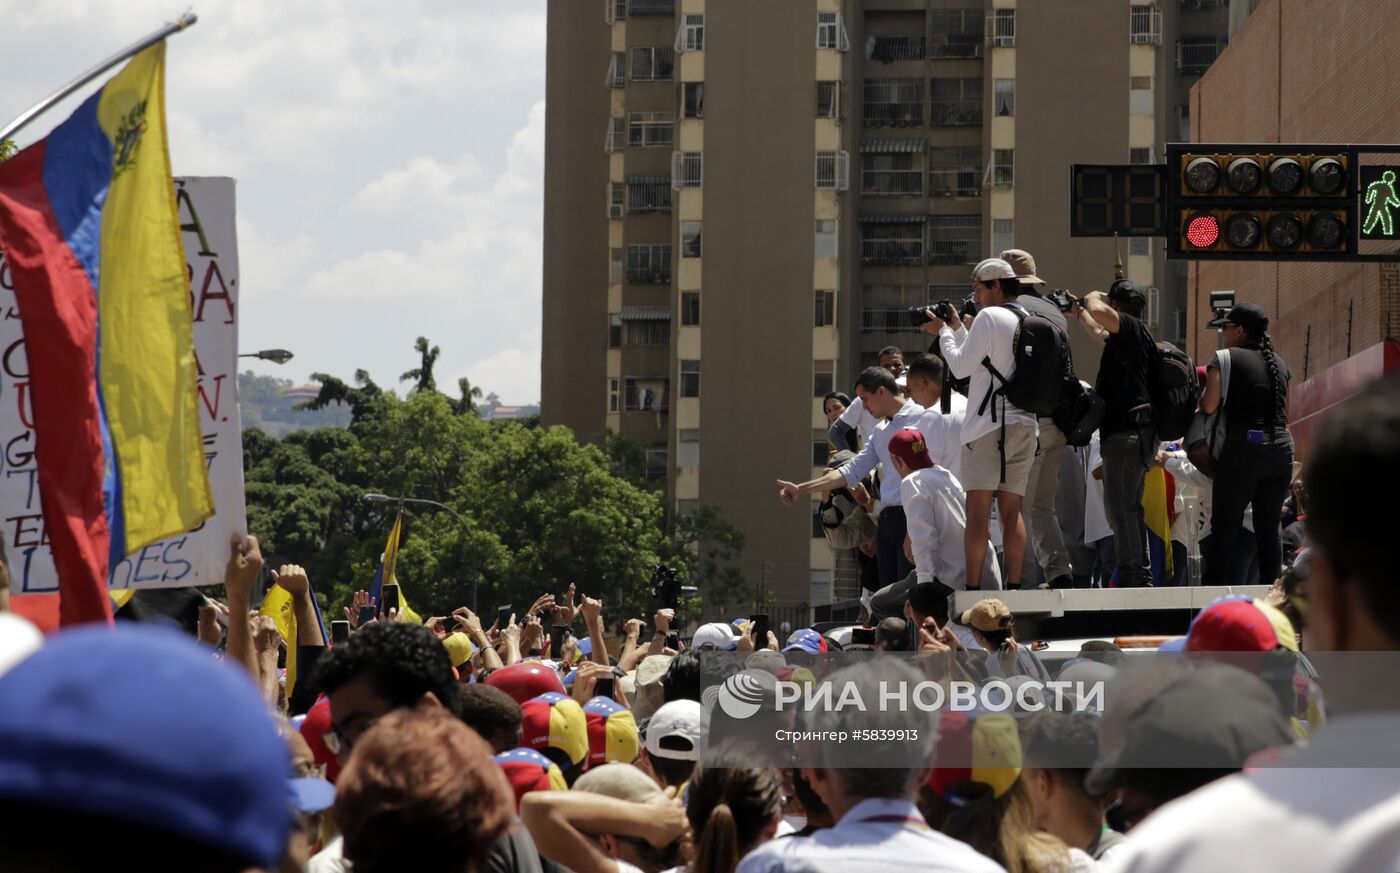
column 19, row 639
column 715, row 635
column 621, row 781
column 459, row 648
column 1240, row 624
column 993, row 268
column 1249, row 316
column 982, row 747
column 675, row 731
column 527, row 770
column 314, row 728
column 805, row 640
column 910, row 447
column 554, row 725
column 1125, row 291
column 612, row 732
column 1191, row 726
column 987, row 615
column 164, row 738
column 1023, row 264
column 526, row 680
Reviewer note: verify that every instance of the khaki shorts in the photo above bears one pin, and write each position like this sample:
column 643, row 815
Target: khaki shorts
column 981, row 460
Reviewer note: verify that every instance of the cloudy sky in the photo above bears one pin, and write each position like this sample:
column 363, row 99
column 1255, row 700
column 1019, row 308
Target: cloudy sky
column 389, row 159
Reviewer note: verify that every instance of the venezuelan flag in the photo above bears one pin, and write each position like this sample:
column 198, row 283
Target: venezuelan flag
column 89, row 227
column 1158, row 502
column 388, row 563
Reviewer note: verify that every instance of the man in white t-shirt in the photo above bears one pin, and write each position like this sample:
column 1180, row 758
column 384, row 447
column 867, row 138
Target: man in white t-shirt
column 998, row 439
column 935, row 510
column 942, row 431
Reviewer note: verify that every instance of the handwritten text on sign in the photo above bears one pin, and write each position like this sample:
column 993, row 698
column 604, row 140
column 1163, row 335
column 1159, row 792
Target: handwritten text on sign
column 206, row 207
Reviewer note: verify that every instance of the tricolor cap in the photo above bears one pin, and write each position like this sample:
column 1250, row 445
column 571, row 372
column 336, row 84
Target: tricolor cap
column 1240, row 624
column 314, row 728
column 526, row 680
column 806, row 640
column 459, row 648
column 612, row 732
column 976, row 747
column 528, row 770
column 911, row 448
column 554, row 725
column 993, row 268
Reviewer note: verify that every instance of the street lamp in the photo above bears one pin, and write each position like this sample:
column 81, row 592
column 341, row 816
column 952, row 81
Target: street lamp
column 276, row 356
column 418, row 501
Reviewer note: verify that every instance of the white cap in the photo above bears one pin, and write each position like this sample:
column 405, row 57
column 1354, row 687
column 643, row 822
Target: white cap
column 677, row 724
column 18, row 640
column 993, row 268
column 716, row 634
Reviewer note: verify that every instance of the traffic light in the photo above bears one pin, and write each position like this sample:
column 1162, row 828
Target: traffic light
column 1269, row 203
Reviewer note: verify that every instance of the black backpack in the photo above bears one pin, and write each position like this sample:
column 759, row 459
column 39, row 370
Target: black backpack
column 1174, row 391
column 1079, row 414
column 1041, row 352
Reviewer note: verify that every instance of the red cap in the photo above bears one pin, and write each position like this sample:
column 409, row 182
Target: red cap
column 526, row 680
column 1240, row 624
column 910, row 447
column 313, row 730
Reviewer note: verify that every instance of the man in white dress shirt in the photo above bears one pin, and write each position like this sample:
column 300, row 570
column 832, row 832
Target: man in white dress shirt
column 857, row 417
column 886, row 400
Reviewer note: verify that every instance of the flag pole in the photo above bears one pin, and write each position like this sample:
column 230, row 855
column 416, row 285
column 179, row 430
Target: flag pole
column 47, row 103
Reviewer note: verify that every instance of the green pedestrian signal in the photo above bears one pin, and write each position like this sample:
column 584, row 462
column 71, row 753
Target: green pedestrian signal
column 1380, row 200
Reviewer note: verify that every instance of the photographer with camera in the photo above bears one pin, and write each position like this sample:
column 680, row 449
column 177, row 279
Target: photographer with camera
column 998, row 439
column 1127, row 435
column 1046, row 538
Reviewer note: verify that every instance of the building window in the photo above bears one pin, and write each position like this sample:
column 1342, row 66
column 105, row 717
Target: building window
column 617, row 135
column 650, row 332
column 690, row 378
column 1194, row 54
column 656, row 462
column 888, row 49
column 1183, row 122
column 1140, row 96
column 1004, row 28
column 687, row 170
column 894, row 102
column 687, row 507
column 891, row 174
column 692, row 35
column 956, row 101
column 653, row 63
column 891, row 240
column 693, row 99
column 614, row 331
column 955, row 171
column 825, row 246
column 648, row 264
column 1003, row 234
column 821, row 451
column 652, row 7
column 650, row 128
column 690, row 309
column 690, row 239
column 687, row 449
column 833, row 171
column 823, row 378
column 831, row 32
column 1139, row 245
column 646, row 394
column 1145, row 25
column 616, row 10
column 1005, row 98
column 648, row 194
column 826, row 309
column 617, row 200
column 955, row 239
column 614, row 394
column 1003, row 168
column 957, row 33
column 617, row 259
column 1139, row 156
column 617, row 71
column 828, row 99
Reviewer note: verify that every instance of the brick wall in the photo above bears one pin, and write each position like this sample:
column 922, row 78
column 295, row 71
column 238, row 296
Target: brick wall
column 1336, row 84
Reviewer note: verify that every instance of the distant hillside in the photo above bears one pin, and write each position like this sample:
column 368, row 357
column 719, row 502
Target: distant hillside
column 267, row 402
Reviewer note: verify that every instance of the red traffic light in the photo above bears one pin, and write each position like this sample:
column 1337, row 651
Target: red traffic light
column 1203, row 231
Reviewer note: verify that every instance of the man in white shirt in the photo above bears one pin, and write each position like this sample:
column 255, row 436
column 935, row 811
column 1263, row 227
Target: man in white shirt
column 885, row 399
column 935, row 511
column 998, row 439
column 857, row 417
column 1333, row 805
column 878, row 826
column 942, row 431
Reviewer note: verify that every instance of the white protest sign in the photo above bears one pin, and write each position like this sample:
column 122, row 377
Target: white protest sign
column 206, row 207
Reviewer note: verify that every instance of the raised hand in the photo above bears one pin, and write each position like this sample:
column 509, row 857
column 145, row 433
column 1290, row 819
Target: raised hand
column 245, row 562
column 292, row 578
column 788, row 492
column 361, row 600
column 592, row 611
column 663, row 620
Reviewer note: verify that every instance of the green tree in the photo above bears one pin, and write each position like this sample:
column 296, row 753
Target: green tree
column 361, row 397
column 423, row 373
column 466, row 403
column 704, row 547
column 7, row 149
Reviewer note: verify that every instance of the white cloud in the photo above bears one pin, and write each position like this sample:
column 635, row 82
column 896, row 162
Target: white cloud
column 512, row 373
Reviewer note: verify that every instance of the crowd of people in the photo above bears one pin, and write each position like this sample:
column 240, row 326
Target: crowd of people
column 454, row 746
column 948, row 467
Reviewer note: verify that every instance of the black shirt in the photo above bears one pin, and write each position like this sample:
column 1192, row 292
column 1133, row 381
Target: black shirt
column 1251, row 402
column 1123, row 374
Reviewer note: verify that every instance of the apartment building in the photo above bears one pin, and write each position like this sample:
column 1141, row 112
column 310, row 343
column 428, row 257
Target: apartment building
column 744, row 198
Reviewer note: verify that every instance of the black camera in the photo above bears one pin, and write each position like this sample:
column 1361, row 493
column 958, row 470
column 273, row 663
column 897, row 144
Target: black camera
column 1063, row 300
column 919, row 315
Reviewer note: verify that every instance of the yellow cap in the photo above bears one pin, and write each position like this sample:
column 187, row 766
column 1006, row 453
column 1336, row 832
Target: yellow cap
column 459, row 648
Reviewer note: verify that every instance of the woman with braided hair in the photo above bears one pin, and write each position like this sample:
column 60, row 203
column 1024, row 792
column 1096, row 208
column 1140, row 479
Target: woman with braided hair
column 1257, row 461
